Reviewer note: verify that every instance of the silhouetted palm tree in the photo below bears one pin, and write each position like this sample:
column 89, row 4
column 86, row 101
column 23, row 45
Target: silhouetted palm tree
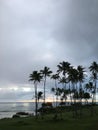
column 94, row 69
column 86, row 96
column 55, row 77
column 39, row 95
column 46, row 72
column 73, row 77
column 63, row 67
column 90, row 88
column 54, row 92
column 81, row 77
column 64, row 94
column 63, row 80
column 35, row 77
column 64, row 90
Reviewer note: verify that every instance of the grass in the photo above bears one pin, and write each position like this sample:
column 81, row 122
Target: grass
column 87, row 122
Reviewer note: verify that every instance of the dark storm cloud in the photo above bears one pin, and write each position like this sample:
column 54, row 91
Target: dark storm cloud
column 78, row 29
column 38, row 33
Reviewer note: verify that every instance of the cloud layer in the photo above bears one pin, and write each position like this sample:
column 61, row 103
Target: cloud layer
column 36, row 33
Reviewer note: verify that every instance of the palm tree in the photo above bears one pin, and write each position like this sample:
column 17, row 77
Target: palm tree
column 94, row 70
column 35, row 77
column 46, row 72
column 55, row 77
column 64, row 94
column 39, row 95
column 63, row 68
column 64, row 90
column 81, row 77
column 90, row 88
column 54, row 92
column 63, row 80
column 86, row 96
column 73, row 78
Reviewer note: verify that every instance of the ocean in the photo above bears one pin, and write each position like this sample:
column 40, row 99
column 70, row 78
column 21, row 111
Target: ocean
column 8, row 109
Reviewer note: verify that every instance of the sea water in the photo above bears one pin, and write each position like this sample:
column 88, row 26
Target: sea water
column 8, row 109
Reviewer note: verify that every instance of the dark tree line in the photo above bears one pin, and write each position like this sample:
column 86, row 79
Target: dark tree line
column 76, row 84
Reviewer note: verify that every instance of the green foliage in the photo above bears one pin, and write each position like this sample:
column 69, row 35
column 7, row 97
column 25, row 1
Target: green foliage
column 51, row 122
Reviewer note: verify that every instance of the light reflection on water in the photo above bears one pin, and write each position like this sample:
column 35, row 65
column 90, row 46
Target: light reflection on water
column 8, row 109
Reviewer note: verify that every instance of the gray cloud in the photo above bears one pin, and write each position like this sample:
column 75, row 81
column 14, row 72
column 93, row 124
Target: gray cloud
column 36, row 33
column 78, row 29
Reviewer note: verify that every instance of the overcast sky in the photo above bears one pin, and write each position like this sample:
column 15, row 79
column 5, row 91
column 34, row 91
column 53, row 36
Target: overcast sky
column 38, row 33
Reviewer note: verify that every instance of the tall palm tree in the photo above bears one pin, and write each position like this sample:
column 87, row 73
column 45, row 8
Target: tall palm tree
column 73, row 77
column 35, row 77
column 46, row 72
column 90, row 88
column 63, row 68
column 94, row 70
column 64, row 94
column 81, row 77
column 69, row 80
column 55, row 77
column 63, row 80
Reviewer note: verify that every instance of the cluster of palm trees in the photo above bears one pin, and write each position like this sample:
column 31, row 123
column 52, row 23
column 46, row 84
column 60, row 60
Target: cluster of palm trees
column 76, row 84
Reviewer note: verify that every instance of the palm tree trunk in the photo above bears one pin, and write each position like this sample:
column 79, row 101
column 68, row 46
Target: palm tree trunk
column 56, row 114
column 36, row 99
column 81, row 99
column 95, row 92
column 70, row 93
column 45, row 89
